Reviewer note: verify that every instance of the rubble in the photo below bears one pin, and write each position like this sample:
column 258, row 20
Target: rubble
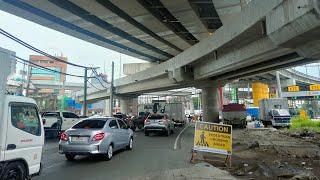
column 253, row 145
column 304, row 176
column 270, row 154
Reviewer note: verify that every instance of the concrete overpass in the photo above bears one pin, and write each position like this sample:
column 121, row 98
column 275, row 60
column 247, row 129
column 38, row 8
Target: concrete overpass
column 196, row 48
column 57, row 85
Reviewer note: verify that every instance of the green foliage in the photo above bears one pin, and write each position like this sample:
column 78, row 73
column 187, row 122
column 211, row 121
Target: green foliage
column 306, row 124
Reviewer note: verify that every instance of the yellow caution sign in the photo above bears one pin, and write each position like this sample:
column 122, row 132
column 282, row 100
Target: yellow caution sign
column 293, row 88
column 315, row 87
column 212, row 137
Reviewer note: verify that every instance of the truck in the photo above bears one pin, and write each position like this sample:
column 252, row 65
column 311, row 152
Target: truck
column 176, row 113
column 22, row 133
column 274, row 112
column 234, row 114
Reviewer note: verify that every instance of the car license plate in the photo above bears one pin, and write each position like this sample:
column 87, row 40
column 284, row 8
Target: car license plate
column 79, row 139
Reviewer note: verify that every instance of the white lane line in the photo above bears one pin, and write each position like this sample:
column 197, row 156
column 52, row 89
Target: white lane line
column 176, row 141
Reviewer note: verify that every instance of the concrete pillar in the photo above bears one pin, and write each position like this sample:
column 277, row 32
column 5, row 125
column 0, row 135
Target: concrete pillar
column 134, row 106
column 221, row 97
column 124, row 105
column 279, row 91
column 191, row 105
column 210, row 103
column 107, row 109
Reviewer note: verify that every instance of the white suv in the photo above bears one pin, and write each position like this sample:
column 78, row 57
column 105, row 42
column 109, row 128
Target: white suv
column 60, row 121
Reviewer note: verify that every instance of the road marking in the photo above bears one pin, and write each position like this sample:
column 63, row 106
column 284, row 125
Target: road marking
column 176, row 141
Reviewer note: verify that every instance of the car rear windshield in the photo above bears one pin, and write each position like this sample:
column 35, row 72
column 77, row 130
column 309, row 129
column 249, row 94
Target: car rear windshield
column 50, row 114
column 90, row 124
column 155, row 117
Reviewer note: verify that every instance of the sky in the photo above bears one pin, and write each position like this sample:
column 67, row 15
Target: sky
column 57, row 43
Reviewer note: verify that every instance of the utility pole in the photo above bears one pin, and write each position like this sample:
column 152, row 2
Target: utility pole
column 28, row 81
column 111, row 89
column 23, row 77
column 85, row 91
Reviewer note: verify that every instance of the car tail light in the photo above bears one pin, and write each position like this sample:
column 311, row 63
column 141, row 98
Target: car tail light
column 146, row 121
column 43, row 121
column 64, row 136
column 98, row 137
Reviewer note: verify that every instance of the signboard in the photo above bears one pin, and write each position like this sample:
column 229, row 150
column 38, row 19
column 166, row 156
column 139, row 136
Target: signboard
column 300, row 94
column 212, row 137
column 315, row 87
column 293, row 88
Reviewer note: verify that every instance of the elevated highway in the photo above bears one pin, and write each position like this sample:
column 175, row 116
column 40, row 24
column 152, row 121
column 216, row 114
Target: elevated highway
column 194, row 48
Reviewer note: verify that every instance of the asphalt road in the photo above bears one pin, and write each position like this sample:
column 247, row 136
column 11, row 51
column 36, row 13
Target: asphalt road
column 150, row 154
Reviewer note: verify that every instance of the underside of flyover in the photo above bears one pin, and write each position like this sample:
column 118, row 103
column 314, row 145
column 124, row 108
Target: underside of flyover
column 197, row 43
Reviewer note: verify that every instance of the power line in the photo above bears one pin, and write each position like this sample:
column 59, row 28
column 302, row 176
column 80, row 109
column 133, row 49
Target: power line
column 97, row 75
column 5, row 33
column 94, row 86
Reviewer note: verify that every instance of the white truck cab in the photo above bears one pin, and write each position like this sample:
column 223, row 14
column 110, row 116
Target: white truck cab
column 21, row 138
column 21, row 131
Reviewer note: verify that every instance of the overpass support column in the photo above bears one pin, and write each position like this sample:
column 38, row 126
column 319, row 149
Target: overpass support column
column 134, row 106
column 210, row 103
column 108, row 108
column 191, row 105
column 124, row 105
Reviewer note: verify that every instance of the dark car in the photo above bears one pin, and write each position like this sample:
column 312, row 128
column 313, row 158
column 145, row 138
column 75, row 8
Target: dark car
column 126, row 119
column 139, row 121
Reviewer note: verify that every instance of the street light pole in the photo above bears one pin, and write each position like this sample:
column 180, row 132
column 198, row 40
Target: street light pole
column 85, row 91
column 111, row 89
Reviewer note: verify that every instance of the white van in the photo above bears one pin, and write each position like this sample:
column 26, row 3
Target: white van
column 21, row 138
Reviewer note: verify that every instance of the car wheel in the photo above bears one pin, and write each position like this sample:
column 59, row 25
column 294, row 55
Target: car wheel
column 70, row 157
column 109, row 153
column 146, row 133
column 130, row 145
column 15, row 170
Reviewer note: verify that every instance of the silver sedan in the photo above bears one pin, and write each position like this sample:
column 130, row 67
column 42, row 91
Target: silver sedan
column 96, row 135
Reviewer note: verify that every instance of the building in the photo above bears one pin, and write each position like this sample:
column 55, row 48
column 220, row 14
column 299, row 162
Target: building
column 11, row 86
column 45, row 76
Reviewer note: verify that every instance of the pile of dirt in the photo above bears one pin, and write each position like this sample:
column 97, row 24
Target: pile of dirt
column 279, row 142
column 271, row 154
